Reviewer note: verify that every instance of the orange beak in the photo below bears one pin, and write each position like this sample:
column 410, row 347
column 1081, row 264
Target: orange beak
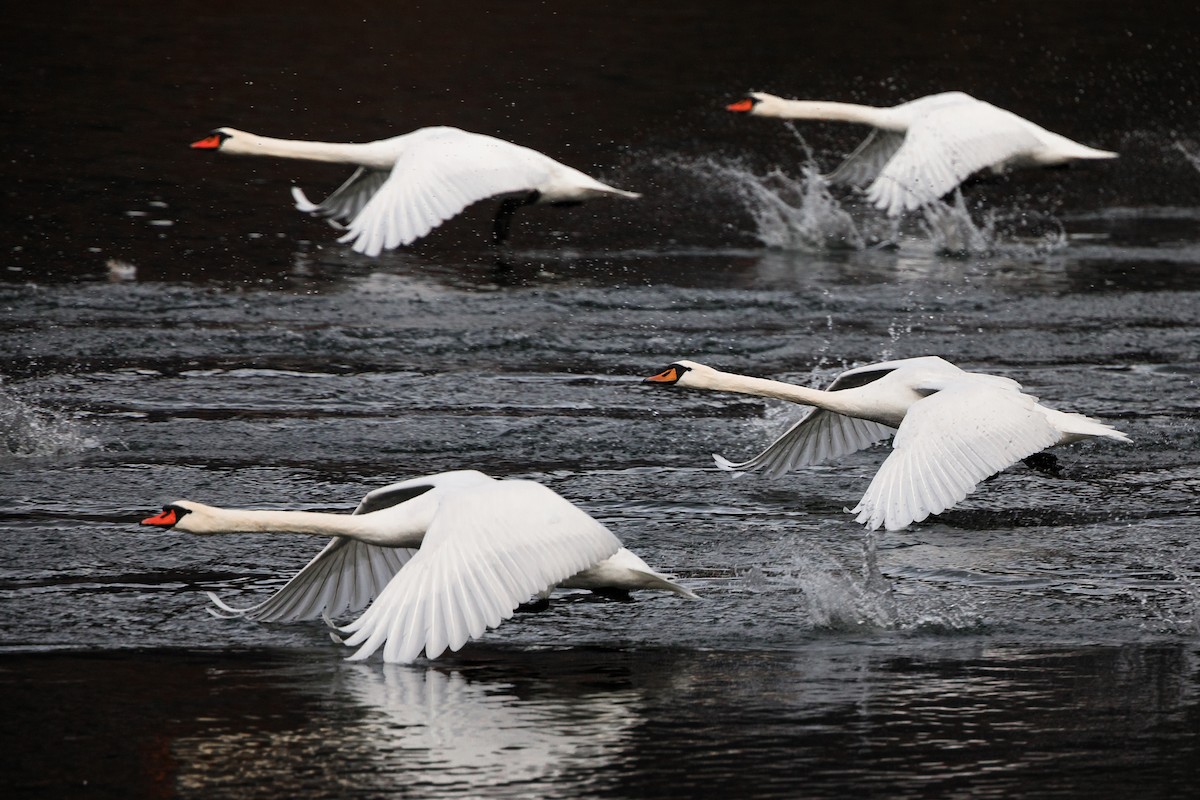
column 741, row 105
column 165, row 518
column 207, row 143
column 668, row 375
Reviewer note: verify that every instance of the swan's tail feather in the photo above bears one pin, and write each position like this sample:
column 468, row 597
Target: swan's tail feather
column 671, row 586
column 1079, row 426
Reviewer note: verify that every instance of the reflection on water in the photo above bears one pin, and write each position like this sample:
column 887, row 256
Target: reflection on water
column 921, row 721
column 433, row 732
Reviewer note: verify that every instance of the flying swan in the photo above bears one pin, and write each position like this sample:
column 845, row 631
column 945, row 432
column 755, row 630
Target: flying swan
column 952, row 429
column 406, row 186
column 445, row 558
column 923, row 149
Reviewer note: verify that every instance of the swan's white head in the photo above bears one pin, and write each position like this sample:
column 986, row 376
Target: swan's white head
column 756, row 104
column 186, row 516
column 688, row 374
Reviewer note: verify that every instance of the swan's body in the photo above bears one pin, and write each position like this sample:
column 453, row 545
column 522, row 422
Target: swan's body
column 922, row 149
column 445, row 557
column 406, row 186
column 952, row 429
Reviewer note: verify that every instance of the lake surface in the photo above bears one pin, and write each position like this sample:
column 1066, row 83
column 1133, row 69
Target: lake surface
column 172, row 328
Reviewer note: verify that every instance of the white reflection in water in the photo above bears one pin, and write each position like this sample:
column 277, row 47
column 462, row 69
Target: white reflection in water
column 452, row 731
column 428, row 731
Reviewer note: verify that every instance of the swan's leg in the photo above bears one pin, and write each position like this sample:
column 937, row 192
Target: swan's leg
column 503, row 221
column 1045, row 463
column 538, row 604
column 620, row 595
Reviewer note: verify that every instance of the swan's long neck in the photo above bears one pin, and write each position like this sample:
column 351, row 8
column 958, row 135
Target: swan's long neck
column 252, row 144
column 762, row 387
column 380, row 527
column 828, row 110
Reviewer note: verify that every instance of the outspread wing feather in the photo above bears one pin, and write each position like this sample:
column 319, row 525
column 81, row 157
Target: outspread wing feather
column 947, row 444
column 818, row 436
column 868, row 159
column 347, row 200
column 488, row 550
column 440, row 172
column 945, row 147
column 344, row 576
column 403, row 491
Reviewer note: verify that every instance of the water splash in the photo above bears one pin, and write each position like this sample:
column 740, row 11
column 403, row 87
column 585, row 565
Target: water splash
column 1190, row 152
column 789, row 212
column 28, row 431
column 802, row 212
column 951, row 230
column 860, row 597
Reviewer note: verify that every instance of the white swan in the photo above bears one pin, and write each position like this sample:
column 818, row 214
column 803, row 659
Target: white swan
column 485, row 547
column 406, row 186
column 952, row 429
column 922, row 149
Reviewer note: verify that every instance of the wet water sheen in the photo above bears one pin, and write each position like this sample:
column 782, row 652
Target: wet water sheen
column 172, row 328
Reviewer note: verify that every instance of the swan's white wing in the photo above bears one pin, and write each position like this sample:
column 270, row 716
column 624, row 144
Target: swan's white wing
column 440, row 172
column 489, row 548
column 345, row 576
column 868, row 159
column 947, row 444
column 347, row 200
column 945, row 147
column 396, row 493
column 819, row 436
column 822, row 435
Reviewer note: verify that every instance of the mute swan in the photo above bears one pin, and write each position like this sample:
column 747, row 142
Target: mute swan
column 922, row 149
column 406, row 186
column 485, row 546
column 952, row 429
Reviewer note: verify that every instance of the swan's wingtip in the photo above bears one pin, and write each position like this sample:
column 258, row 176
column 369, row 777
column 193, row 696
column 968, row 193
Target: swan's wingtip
column 303, row 204
column 223, row 610
column 723, row 463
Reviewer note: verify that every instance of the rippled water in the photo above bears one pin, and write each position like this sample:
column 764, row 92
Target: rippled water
column 172, row 328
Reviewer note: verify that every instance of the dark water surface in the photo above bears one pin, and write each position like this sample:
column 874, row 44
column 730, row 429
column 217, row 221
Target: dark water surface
column 172, row 328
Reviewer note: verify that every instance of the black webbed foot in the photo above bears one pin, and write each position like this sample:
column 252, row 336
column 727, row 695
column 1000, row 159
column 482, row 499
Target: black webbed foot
column 1045, row 463
column 620, row 595
column 534, row 606
column 503, row 221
